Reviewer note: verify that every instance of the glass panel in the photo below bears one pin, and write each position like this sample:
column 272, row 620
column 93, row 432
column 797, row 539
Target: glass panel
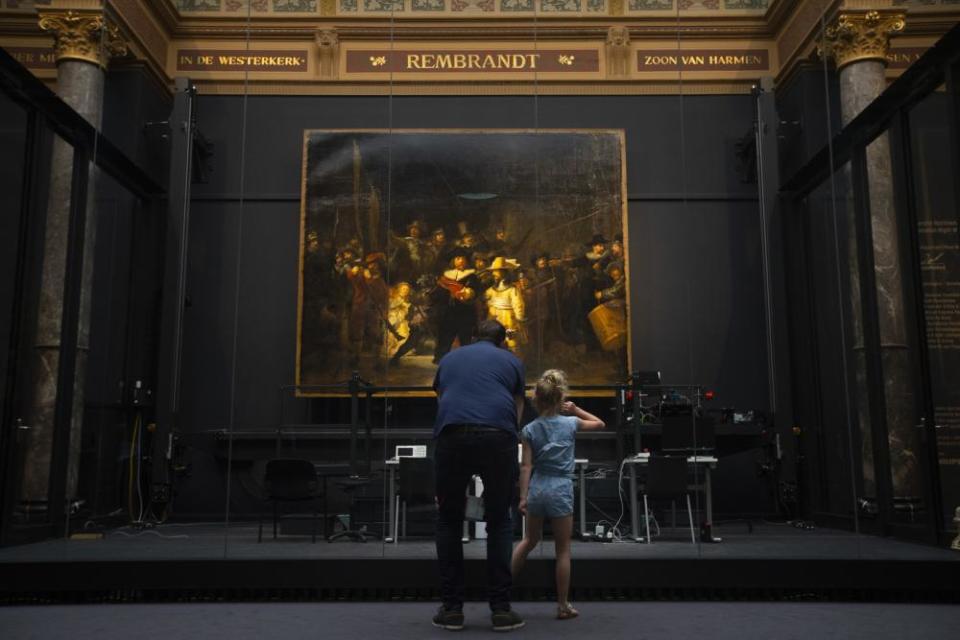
column 902, row 387
column 14, row 298
column 826, row 440
column 35, row 445
column 119, row 440
column 935, row 203
column 13, row 143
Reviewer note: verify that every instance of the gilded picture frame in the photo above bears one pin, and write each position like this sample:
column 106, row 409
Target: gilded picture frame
column 409, row 237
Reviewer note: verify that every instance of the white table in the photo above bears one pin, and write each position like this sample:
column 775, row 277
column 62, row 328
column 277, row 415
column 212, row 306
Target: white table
column 392, row 463
column 707, row 462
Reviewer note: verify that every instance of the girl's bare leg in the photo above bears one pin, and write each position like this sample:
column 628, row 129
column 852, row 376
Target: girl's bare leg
column 529, row 542
column 562, row 532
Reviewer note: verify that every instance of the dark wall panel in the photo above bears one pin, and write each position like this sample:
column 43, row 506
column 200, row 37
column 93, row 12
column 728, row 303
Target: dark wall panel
column 267, row 308
column 657, row 129
column 697, row 296
column 696, row 270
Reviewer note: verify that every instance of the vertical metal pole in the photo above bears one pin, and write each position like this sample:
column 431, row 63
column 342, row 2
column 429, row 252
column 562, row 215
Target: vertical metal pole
column 953, row 129
column 637, row 404
column 583, row 501
column 619, row 391
column 634, row 521
column 174, row 279
column 774, row 262
column 354, row 389
column 368, row 432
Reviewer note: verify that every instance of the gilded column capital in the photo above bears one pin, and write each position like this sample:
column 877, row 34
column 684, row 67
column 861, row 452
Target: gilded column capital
column 83, row 36
column 857, row 36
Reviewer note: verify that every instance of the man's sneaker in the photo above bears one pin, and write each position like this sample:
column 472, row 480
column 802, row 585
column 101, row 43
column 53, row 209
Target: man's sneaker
column 449, row 619
column 506, row 620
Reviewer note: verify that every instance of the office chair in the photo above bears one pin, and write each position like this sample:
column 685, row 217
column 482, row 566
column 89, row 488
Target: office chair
column 290, row 480
column 417, row 491
column 349, row 486
column 667, row 480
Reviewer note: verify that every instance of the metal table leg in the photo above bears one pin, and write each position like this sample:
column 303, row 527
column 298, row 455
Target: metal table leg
column 391, row 505
column 634, row 520
column 708, row 487
column 583, row 502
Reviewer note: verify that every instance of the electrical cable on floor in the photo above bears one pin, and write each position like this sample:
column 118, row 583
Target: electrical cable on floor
column 150, row 532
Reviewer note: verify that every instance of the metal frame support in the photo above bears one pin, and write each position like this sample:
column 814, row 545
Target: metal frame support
column 182, row 129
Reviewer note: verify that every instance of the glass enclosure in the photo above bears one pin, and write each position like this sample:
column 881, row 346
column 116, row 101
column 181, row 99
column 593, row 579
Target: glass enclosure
column 736, row 284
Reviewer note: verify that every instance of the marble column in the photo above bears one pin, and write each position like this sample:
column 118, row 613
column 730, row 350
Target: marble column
column 858, row 42
column 83, row 42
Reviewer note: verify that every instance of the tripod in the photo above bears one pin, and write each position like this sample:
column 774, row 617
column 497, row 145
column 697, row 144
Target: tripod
column 354, row 481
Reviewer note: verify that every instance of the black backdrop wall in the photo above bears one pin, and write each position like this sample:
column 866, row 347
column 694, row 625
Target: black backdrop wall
column 695, row 277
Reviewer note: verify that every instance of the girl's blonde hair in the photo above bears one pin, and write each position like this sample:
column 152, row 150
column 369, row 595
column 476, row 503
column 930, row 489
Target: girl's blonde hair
column 550, row 391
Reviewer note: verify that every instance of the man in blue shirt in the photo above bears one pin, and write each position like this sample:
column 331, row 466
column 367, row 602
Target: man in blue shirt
column 480, row 391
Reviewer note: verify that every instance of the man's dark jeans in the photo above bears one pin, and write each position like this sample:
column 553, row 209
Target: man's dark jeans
column 461, row 452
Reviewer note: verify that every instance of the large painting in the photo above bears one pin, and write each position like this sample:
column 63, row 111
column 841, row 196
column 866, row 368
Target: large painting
column 409, row 238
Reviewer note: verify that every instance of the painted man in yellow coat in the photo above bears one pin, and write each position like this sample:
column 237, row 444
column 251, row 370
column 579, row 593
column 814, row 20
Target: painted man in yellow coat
column 505, row 302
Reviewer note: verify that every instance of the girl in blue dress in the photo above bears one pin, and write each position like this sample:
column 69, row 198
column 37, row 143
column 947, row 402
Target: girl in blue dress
column 548, row 444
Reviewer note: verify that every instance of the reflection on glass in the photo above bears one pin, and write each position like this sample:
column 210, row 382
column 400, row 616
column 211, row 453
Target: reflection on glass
column 897, row 354
column 828, row 439
column 934, row 192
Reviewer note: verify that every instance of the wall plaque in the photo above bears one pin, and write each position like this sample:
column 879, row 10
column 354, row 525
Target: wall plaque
column 703, row 60
column 34, row 57
column 472, row 61
column 903, row 57
column 241, row 60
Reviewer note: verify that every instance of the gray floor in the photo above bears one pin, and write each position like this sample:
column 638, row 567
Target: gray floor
column 398, row 621
column 210, row 541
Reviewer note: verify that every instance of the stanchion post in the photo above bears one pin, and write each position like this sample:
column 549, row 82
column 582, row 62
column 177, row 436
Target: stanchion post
column 354, row 389
column 635, row 387
column 620, row 391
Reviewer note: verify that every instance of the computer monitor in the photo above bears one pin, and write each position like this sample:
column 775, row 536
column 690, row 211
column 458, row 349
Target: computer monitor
column 687, row 434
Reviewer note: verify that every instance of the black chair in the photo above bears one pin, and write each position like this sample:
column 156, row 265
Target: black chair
column 416, row 490
column 349, row 486
column 667, row 480
column 290, row 480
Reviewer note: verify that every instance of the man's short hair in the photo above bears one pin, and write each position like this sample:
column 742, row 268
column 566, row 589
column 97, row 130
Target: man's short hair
column 492, row 331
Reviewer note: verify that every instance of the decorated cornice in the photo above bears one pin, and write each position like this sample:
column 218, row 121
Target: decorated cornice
column 83, row 36
column 313, row 51
column 854, row 36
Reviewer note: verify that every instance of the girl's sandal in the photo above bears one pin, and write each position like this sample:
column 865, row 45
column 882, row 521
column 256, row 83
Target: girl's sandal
column 566, row 612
